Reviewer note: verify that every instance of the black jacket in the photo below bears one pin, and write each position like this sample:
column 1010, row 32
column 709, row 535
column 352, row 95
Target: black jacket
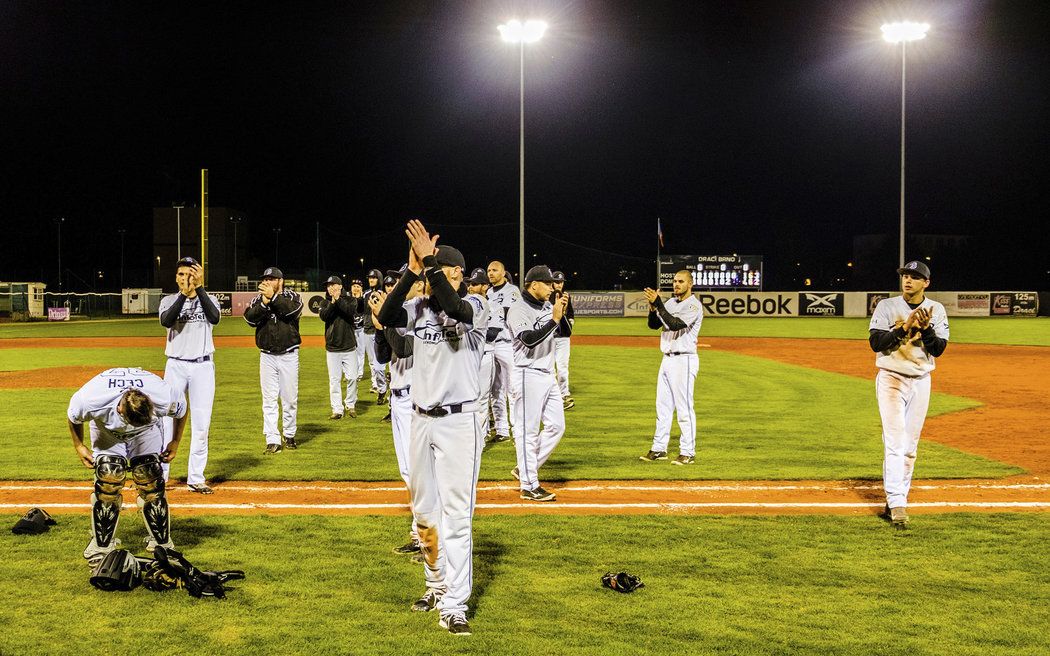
column 338, row 318
column 369, row 328
column 276, row 324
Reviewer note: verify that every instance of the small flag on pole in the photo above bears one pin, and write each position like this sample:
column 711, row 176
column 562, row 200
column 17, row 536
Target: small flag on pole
column 659, row 232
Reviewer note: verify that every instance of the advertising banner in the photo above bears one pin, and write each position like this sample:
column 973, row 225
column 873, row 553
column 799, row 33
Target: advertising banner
column 874, row 298
column 821, row 304
column 589, row 304
column 225, row 303
column 747, row 304
column 58, row 314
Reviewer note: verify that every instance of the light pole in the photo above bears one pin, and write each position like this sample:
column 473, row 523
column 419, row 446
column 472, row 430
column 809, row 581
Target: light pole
column 276, row 243
column 59, row 221
column 235, row 220
column 178, row 229
column 516, row 31
column 902, row 33
column 121, row 231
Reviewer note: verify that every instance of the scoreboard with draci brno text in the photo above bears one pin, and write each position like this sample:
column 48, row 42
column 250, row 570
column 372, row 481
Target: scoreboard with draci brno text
column 714, row 272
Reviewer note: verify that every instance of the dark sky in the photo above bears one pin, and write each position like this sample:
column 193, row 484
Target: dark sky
column 752, row 127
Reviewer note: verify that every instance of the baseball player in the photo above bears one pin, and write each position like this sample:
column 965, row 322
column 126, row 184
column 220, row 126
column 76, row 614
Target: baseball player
column 502, row 295
column 189, row 317
column 340, row 345
column 678, row 321
column 395, row 347
column 561, row 345
column 536, row 321
column 274, row 313
column 907, row 333
column 478, row 283
column 378, row 372
column 124, row 407
column 357, row 296
column 448, row 332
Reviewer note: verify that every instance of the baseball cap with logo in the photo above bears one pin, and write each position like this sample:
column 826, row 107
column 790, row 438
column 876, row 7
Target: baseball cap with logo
column 356, row 281
column 539, row 273
column 449, row 256
column 915, row 268
column 333, row 280
column 375, row 273
column 558, row 276
column 390, row 280
column 272, row 272
column 397, row 273
column 478, row 277
column 187, row 261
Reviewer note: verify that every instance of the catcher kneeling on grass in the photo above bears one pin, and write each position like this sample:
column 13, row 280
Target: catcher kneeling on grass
column 124, row 408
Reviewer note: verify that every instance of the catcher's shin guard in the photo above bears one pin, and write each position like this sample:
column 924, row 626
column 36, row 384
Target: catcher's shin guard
column 110, row 473
column 119, row 570
column 148, row 473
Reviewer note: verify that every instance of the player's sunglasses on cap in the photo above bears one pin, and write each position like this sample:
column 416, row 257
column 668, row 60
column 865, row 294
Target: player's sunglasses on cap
column 187, row 262
column 539, row 273
column 334, row 280
column 915, row 268
column 272, row 272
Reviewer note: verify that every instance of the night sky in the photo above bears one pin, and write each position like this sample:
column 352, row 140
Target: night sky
column 767, row 128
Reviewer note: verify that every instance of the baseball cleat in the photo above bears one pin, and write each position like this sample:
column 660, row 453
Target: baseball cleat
column 500, row 438
column 417, row 558
column 456, row 623
column 351, row 412
column 569, row 402
column 381, row 399
column 386, row 418
column 335, row 415
column 272, row 449
column 516, row 474
column 653, row 456
column 539, row 494
column 427, row 602
column 898, row 517
column 408, row 549
column 200, row 488
column 290, row 443
column 683, row 460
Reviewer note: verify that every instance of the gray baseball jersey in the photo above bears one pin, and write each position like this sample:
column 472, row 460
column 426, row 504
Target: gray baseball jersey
column 500, row 301
column 446, row 353
column 911, row 359
column 97, row 401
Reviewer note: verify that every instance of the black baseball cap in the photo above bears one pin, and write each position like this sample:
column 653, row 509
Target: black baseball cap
column 187, row 261
column 356, row 281
column 333, row 280
column 558, row 276
column 449, row 256
column 539, row 273
column 390, row 280
column 397, row 273
column 478, row 277
column 375, row 273
column 272, row 272
column 915, row 268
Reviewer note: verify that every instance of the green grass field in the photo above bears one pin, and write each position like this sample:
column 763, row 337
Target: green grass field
column 956, row 585
column 757, row 419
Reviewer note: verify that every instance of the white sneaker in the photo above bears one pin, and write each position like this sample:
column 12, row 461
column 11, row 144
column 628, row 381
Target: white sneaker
column 94, row 553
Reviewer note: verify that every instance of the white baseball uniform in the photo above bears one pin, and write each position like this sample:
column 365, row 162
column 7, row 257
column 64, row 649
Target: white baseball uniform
column 377, row 371
column 485, row 381
column 446, row 442
column 561, row 363
column 401, row 417
column 501, row 298
column 902, row 387
column 678, row 369
column 535, row 394
column 191, row 368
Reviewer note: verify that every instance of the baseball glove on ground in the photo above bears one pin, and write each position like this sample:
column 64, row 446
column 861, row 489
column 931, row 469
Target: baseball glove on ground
column 171, row 570
column 622, row 582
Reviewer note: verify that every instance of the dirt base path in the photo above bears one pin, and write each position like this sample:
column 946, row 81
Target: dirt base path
column 576, row 497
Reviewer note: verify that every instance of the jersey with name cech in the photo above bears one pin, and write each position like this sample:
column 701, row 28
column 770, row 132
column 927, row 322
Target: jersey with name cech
column 446, row 354
column 97, row 401
column 191, row 336
column 692, row 314
column 525, row 316
column 911, row 358
column 500, row 302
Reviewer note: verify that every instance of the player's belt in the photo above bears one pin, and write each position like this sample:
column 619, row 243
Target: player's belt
column 400, row 392
column 680, row 353
column 206, row 358
column 442, row 410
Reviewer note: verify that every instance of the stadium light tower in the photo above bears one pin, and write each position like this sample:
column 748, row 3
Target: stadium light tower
column 902, row 33
column 516, row 31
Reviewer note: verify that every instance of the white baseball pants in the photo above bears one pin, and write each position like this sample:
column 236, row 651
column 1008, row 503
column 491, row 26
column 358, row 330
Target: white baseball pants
column 377, row 371
column 198, row 379
column 401, row 425
column 903, row 402
column 674, row 394
column 536, row 399
column 279, row 377
column 561, row 361
column 485, row 376
column 362, row 338
column 503, row 365
column 342, row 365
column 444, row 459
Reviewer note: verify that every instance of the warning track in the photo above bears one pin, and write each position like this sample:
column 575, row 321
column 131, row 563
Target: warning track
column 578, row 497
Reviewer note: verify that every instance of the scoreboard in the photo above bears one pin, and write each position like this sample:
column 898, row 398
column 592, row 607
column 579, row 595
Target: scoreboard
column 716, row 272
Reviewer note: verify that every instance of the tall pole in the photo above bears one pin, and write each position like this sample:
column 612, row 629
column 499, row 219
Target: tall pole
column 658, row 235
column 122, row 231
column 178, row 230
column 235, row 220
column 521, row 171
column 59, row 221
column 904, row 59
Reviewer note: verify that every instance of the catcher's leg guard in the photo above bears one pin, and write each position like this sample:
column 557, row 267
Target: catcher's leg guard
column 106, row 500
column 148, row 473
